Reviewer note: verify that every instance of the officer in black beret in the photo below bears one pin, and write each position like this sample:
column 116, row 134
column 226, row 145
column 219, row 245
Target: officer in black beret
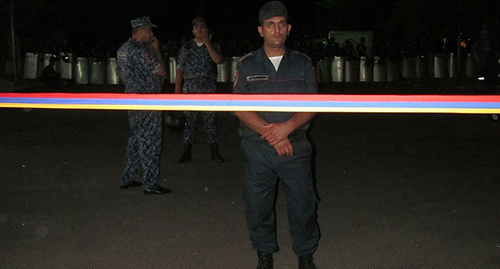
column 275, row 143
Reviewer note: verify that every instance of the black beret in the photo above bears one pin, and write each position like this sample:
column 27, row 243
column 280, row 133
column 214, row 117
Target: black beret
column 197, row 19
column 272, row 9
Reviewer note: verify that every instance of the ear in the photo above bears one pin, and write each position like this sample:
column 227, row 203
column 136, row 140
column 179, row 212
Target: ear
column 289, row 28
column 260, row 31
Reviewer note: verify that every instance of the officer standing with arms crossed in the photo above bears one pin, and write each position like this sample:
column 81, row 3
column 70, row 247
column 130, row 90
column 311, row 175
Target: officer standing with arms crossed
column 275, row 143
column 140, row 67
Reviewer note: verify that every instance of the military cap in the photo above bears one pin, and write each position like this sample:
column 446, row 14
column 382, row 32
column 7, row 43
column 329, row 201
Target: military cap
column 272, row 9
column 197, row 19
column 141, row 21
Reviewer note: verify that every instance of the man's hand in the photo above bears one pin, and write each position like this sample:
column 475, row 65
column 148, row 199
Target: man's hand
column 203, row 34
column 276, row 132
column 155, row 43
column 284, row 147
column 277, row 136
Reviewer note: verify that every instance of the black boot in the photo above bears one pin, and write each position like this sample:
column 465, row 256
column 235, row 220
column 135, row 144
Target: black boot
column 215, row 153
column 306, row 262
column 186, row 155
column 265, row 260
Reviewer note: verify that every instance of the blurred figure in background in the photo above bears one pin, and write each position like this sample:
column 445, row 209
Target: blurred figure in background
column 485, row 52
column 197, row 73
column 50, row 77
column 361, row 48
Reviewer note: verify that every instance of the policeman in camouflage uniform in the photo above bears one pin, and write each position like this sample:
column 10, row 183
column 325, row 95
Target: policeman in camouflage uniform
column 140, row 67
column 197, row 73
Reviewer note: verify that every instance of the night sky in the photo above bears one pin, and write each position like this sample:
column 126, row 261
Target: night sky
column 96, row 21
column 104, row 24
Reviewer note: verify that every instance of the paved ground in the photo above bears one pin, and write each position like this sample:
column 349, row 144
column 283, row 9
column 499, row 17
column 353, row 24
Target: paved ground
column 396, row 190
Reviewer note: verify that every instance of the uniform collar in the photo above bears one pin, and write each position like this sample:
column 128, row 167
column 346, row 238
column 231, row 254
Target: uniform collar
column 136, row 41
column 261, row 54
column 193, row 43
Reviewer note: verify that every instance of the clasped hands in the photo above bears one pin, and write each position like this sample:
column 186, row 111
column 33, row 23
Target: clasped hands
column 277, row 136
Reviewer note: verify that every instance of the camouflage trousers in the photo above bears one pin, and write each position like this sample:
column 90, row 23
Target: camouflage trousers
column 144, row 147
column 207, row 117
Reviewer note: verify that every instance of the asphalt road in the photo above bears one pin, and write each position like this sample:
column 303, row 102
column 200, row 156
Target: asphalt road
column 396, row 191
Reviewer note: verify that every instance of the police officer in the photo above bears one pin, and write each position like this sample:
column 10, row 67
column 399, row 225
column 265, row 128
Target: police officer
column 275, row 143
column 140, row 67
column 197, row 73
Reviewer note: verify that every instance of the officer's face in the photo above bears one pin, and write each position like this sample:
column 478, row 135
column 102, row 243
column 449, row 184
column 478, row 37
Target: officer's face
column 199, row 28
column 274, row 31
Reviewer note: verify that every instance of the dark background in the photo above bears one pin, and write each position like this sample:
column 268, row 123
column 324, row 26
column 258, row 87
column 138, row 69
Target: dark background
column 99, row 26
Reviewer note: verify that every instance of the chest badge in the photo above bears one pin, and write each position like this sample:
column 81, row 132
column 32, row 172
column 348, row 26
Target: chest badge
column 257, row 78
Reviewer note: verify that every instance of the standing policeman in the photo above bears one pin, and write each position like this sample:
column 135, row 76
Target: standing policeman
column 141, row 68
column 197, row 73
column 275, row 143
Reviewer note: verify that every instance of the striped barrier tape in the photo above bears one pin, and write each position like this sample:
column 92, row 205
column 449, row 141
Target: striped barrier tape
column 464, row 104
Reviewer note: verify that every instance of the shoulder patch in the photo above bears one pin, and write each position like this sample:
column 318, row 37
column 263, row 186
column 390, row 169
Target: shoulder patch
column 296, row 52
column 244, row 57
